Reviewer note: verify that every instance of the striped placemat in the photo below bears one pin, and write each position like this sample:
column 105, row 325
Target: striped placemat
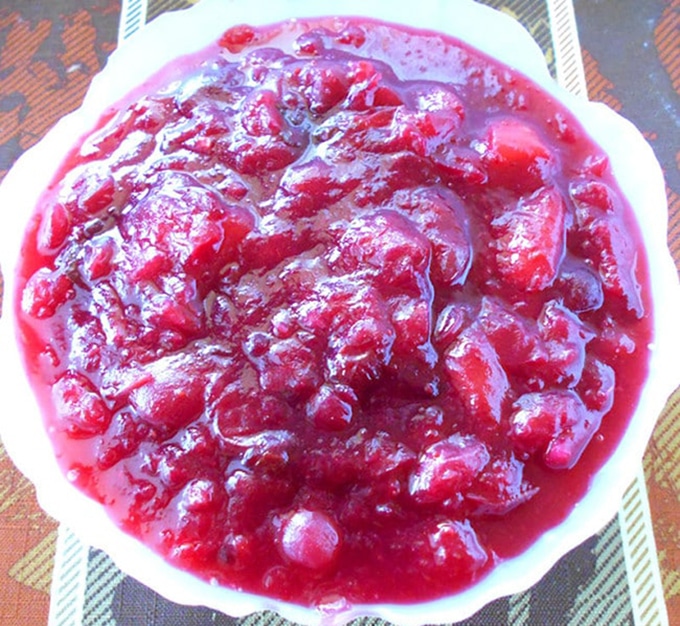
column 613, row 578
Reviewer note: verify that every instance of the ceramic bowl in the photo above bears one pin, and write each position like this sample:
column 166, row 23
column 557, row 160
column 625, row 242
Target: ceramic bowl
column 494, row 33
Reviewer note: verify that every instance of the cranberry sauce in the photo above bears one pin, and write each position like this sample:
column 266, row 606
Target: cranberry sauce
column 348, row 311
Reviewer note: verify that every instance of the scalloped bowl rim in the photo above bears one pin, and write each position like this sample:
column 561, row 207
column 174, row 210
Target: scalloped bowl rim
column 492, row 32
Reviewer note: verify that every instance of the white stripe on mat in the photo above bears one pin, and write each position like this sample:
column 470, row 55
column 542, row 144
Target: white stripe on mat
column 639, row 550
column 132, row 18
column 568, row 59
column 69, row 580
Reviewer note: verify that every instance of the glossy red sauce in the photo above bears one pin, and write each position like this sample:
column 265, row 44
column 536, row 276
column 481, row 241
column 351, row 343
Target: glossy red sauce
column 348, row 310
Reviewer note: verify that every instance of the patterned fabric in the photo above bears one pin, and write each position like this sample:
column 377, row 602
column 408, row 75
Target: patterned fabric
column 49, row 52
column 588, row 587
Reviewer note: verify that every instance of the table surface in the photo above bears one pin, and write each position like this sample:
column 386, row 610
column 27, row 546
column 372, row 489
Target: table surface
column 49, row 52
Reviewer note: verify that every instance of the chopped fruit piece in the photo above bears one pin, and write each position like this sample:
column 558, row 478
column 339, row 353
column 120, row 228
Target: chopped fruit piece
column 260, row 115
column 516, row 157
column 442, row 108
column 454, row 547
column 477, row 375
column 311, row 187
column 55, row 227
column 289, row 368
column 597, row 385
column 515, row 339
column 389, row 245
column 500, row 487
column 45, row 292
column 617, row 262
column 173, row 395
column 555, row 424
column 447, row 468
column 566, row 338
column 323, row 84
column 530, row 241
column 441, row 218
column 78, row 406
column 331, row 408
column 89, row 193
column 238, row 37
column 98, row 258
column 188, row 224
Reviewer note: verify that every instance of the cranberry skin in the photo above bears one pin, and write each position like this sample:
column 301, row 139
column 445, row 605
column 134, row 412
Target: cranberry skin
column 331, row 408
column 189, row 225
column 476, row 373
column 310, row 538
column 516, row 156
column 388, row 245
column 54, row 229
column 582, row 288
column 323, row 85
column 173, row 396
column 45, row 292
column 451, row 320
column 530, row 241
column 79, row 408
column 555, row 424
column 447, row 549
column 500, row 487
column 447, row 468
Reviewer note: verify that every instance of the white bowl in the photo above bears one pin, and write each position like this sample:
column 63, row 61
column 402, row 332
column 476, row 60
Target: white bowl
column 173, row 35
